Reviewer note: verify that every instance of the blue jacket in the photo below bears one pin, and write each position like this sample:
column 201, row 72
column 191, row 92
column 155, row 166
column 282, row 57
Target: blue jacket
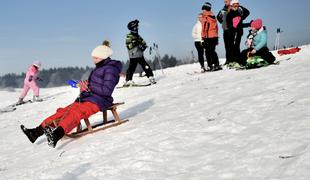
column 260, row 40
column 101, row 82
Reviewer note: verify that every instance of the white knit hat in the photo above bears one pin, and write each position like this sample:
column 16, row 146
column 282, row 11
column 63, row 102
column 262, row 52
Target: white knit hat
column 102, row 52
column 37, row 64
column 234, row 2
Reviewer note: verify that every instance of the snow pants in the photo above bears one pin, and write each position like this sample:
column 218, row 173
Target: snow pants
column 211, row 55
column 234, row 40
column 228, row 47
column 71, row 115
column 200, row 50
column 29, row 85
column 133, row 65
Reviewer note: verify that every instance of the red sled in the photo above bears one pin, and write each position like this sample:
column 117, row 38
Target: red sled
column 288, row 51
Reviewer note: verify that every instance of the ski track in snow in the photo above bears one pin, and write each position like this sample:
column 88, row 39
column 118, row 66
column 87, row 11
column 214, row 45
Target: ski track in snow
column 227, row 124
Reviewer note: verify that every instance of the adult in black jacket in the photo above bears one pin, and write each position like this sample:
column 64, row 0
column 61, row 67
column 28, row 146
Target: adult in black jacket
column 222, row 18
column 235, row 16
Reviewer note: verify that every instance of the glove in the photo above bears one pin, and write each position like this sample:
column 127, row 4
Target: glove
column 142, row 47
column 83, row 86
column 30, row 78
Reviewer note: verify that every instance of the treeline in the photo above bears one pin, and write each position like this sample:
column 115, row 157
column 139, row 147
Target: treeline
column 55, row 77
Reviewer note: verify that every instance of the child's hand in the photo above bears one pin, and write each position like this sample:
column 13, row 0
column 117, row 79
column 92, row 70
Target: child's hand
column 253, row 51
column 39, row 79
column 30, row 78
column 83, row 85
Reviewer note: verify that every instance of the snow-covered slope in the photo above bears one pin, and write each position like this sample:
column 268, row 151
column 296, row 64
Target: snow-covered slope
column 222, row 125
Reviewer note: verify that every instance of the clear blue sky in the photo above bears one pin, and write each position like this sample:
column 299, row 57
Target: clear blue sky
column 63, row 32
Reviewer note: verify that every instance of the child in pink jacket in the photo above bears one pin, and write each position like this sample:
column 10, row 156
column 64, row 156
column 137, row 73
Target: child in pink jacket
column 30, row 82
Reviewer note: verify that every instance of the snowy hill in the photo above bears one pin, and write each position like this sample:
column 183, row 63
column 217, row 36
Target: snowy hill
column 228, row 124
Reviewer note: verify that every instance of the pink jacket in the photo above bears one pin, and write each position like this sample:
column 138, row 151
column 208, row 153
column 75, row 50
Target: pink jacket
column 32, row 71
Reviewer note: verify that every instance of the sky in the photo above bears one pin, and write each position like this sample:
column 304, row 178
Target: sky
column 63, row 33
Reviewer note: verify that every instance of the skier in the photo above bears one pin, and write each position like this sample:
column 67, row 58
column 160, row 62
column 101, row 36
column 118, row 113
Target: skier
column 95, row 96
column 136, row 46
column 257, row 44
column 196, row 34
column 222, row 18
column 235, row 26
column 210, row 37
column 30, row 83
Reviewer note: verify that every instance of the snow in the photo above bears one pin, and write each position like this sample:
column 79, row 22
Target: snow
column 227, row 124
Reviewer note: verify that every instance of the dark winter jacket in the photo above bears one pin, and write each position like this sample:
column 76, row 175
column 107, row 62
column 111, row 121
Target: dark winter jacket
column 241, row 12
column 102, row 82
column 221, row 17
column 135, row 45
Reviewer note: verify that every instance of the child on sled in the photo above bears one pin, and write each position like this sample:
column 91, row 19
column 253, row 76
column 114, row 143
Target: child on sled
column 96, row 95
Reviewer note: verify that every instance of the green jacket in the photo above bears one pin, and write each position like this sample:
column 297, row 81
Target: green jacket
column 135, row 45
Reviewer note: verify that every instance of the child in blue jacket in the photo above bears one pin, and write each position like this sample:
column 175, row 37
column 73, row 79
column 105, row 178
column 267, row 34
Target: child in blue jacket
column 257, row 44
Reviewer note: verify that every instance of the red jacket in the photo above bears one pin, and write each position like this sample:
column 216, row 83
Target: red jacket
column 209, row 25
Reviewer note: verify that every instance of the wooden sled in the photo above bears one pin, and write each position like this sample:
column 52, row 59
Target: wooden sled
column 102, row 126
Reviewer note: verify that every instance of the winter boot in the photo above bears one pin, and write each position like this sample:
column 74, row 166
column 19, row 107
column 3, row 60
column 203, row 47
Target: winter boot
column 203, row 70
column 32, row 134
column 217, row 68
column 53, row 136
column 152, row 80
column 20, row 101
column 37, row 99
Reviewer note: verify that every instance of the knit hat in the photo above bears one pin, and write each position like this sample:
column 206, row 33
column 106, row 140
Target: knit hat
column 257, row 24
column 206, row 6
column 102, row 52
column 37, row 64
column 234, row 2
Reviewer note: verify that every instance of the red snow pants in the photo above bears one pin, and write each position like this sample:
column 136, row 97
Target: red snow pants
column 71, row 115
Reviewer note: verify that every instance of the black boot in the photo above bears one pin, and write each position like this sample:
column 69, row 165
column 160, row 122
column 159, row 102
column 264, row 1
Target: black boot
column 32, row 134
column 53, row 135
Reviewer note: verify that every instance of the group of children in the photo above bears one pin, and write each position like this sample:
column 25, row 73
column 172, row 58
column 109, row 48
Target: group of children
column 205, row 35
column 96, row 92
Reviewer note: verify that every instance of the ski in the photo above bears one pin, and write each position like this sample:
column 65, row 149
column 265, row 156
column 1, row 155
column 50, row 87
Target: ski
column 136, row 85
column 12, row 107
column 198, row 72
column 7, row 109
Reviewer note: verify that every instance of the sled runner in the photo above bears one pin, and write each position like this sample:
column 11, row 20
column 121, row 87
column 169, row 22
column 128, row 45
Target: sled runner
column 104, row 125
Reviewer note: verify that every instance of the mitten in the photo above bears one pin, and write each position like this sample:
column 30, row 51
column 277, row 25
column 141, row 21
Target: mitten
column 83, row 86
column 30, row 78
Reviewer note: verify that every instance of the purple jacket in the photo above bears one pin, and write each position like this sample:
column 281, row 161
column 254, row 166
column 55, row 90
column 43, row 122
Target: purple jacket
column 101, row 82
